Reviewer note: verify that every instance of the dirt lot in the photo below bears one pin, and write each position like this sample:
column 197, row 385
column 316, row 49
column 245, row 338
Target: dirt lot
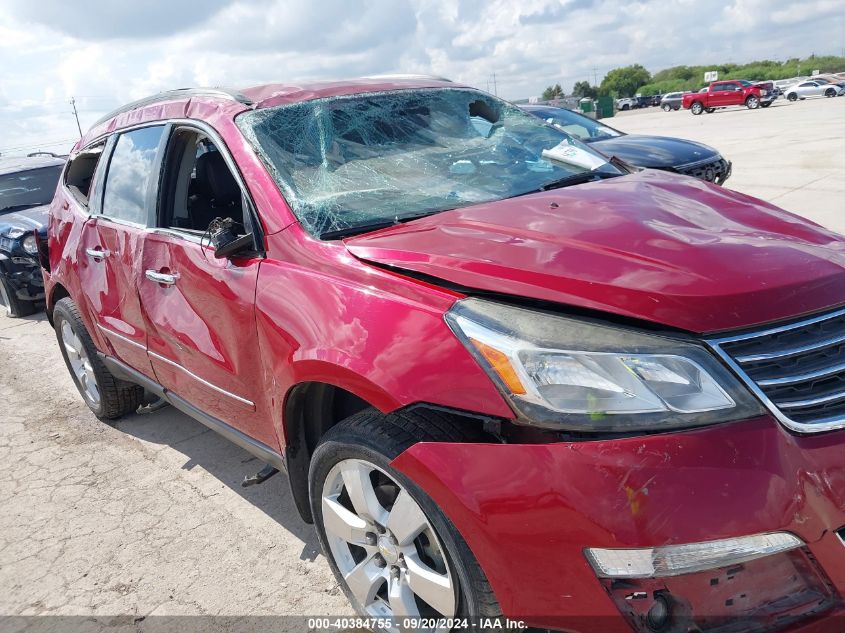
column 148, row 517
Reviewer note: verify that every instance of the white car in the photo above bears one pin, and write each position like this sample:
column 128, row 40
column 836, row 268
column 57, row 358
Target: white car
column 813, row 89
column 626, row 103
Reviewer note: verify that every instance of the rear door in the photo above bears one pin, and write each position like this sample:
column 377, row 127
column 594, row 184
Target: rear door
column 200, row 311
column 111, row 244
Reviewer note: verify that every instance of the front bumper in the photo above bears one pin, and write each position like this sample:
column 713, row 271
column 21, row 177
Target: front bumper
column 529, row 511
column 716, row 170
column 23, row 273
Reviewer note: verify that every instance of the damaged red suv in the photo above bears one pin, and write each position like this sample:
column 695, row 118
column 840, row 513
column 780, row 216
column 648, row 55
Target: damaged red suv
column 506, row 375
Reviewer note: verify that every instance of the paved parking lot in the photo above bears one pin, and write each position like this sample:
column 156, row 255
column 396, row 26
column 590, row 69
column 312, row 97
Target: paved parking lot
column 790, row 154
column 148, row 516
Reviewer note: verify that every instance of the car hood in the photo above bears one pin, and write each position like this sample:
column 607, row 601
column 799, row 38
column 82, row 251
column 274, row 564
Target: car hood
column 658, row 152
column 31, row 219
column 652, row 245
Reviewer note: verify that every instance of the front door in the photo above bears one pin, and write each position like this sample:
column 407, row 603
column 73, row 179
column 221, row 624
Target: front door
column 200, row 311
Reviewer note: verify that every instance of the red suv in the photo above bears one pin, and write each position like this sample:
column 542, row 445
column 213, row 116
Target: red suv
column 505, row 375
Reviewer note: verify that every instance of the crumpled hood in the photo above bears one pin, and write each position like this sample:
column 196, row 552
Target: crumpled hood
column 34, row 218
column 652, row 245
column 658, row 152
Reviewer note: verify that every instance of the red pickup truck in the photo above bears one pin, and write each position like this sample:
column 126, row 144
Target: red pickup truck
column 721, row 94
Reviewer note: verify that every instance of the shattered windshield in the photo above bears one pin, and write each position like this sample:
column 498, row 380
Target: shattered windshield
column 29, row 188
column 347, row 163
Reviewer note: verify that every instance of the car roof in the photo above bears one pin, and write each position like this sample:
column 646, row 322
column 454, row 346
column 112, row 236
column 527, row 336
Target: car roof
column 13, row 164
column 206, row 103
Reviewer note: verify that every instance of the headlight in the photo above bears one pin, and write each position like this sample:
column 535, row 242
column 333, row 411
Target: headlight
column 561, row 372
column 30, row 245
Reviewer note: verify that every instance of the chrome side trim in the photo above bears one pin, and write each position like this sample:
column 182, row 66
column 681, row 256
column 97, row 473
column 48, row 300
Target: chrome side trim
column 249, row 403
column 123, row 338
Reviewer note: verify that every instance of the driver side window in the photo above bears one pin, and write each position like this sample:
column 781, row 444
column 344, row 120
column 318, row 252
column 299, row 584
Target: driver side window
column 198, row 186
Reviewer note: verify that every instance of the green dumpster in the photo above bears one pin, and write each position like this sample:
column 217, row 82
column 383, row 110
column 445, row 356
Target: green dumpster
column 586, row 105
column 604, row 107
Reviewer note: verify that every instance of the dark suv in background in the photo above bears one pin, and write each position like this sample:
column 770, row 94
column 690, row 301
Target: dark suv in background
column 27, row 185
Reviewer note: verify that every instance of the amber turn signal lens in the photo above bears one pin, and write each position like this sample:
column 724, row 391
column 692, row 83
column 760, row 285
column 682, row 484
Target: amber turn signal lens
column 501, row 365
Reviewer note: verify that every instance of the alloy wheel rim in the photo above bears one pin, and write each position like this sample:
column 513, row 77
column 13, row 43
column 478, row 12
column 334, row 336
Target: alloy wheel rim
column 384, row 546
column 80, row 364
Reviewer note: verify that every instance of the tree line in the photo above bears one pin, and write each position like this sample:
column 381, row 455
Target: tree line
column 635, row 79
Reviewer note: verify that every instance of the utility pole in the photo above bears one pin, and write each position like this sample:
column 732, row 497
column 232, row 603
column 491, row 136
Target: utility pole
column 595, row 76
column 495, row 89
column 76, row 116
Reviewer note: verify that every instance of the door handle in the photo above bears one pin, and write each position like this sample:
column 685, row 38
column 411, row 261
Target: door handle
column 97, row 253
column 164, row 279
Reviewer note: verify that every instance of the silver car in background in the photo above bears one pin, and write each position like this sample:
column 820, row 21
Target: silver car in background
column 813, row 89
column 671, row 101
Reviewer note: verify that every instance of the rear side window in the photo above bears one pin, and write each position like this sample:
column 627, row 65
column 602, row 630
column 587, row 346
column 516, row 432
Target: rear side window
column 80, row 173
column 130, row 174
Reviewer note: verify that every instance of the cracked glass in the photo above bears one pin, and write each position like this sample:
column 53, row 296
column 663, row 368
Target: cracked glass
column 374, row 159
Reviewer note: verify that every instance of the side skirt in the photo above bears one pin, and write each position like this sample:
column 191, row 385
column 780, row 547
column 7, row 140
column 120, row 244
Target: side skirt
column 259, row 449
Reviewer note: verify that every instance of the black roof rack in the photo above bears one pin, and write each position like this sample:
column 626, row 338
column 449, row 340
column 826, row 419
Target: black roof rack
column 176, row 94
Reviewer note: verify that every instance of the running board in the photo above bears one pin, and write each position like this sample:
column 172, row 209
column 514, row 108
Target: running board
column 249, row 444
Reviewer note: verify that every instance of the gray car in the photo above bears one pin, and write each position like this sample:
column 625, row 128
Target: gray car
column 671, row 101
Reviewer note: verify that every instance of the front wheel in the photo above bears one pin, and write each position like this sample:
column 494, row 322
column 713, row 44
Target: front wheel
column 697, row 108
column 666, row 107
column 766, row 104
column 105, row 395
column 391, row 548
column 752, row 103
column 792, row 97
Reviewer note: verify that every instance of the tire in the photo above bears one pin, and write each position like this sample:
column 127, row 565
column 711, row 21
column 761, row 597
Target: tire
column 710, row 110
column 697, row 107
column 366, row 443
column 792, row 97
column 766, row 104
column 830, row 92
column 110, row 398
column 9, row 302
column 752, row 102
column 666, row 107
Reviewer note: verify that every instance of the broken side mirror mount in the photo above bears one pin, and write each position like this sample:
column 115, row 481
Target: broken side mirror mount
column 226, row 242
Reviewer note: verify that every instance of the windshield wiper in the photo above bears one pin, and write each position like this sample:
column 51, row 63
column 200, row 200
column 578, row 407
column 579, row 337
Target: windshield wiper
column 357, row 229
column 575, row 179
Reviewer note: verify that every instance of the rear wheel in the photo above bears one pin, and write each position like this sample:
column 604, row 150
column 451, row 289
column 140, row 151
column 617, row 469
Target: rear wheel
column 752, row 102
column 10, row 304
column 710, row 110
column 391, row 548
column 830, row 92
column 697, row 107
column 766, row 104
column 626, row 107
column 105, row 395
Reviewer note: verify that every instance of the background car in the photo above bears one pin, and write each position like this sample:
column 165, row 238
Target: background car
column 813, row 88
column 627, row 103
column 671, row 101
column 27, row 186
column 654, row 152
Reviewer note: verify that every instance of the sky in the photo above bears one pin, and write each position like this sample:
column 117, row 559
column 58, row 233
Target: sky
column 112, row 52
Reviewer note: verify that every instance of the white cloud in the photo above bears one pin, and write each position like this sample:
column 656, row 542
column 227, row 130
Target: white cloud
column 114, row 52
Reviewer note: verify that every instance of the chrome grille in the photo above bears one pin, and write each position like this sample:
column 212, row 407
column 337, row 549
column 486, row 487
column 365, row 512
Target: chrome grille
column 797, row 370
column 7, row 244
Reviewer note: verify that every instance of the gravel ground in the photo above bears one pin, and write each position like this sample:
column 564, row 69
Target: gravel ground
column 147, row 517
